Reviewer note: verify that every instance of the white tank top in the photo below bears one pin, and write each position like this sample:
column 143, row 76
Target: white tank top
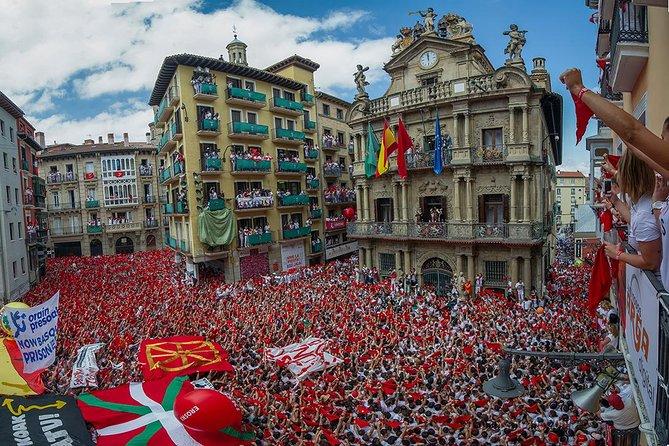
column 664, row 229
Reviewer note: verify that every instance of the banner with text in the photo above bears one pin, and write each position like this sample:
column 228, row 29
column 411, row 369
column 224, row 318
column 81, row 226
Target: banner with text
column 292, row 255
column 34, row 330
column 641, row 334
column 85, row 367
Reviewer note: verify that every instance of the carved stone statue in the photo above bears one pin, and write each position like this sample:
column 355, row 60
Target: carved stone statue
column 418, row 30
column 361, row 81
column 428, row 19
column 517, row 41
column 452, row 25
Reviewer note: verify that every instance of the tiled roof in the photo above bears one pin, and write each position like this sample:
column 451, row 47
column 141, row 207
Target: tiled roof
column 567, row 174
column 10, row 107
column 67, row 149
column 300, row 61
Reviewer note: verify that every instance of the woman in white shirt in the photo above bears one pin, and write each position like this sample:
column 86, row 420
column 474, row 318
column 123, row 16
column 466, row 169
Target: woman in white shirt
column 637, row 183
column 661, row 212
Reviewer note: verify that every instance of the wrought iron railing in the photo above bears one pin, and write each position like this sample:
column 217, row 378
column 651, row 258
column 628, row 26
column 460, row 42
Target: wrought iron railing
column 448, row 230
column 629, row 24
column 425, row 160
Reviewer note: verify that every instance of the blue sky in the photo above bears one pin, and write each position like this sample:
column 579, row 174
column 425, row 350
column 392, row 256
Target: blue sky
column 86, row 68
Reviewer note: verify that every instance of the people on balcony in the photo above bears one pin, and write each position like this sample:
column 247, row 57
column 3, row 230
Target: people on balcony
column 330, row 140
column 69, row 176
column 202, row 76
column 254, row 198
column 291, row 225
column 308, row 147
column 151, row 221
column 55, row 177
column 119, row 220
column 145, row 169
column 336, row 221
column 315, row 243
column 213, row 195
column 253, row 154
column 209, row 114
column 182, row 199
column 288, row 157
column 338, row 194
column 246, row 232
column 95, row 222
column 332, row 168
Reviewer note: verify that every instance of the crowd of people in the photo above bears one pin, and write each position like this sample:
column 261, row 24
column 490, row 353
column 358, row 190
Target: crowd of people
column 413, row 362
column 338, row 194
column 254, row 198
column 329, row 140
column 202, row 76
column 246, row 232
column 252, row 154
column 59, row 177
column 332, row 168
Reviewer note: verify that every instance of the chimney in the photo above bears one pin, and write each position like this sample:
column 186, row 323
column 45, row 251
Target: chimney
column 99, row 139
column 39, row 136
column 539, row 64
column 126, row 140
column 110, row 138
column 148, row 136
column 88, row 142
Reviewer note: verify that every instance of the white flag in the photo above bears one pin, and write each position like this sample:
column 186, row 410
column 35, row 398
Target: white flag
column 303, row 357
column 85, row 367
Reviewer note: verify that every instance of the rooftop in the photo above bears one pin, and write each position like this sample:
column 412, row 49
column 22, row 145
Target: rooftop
column 67, row 149
column 299, row 61
column 11, row 107
column 171, row 63
column 330, row 98
column 569, row 174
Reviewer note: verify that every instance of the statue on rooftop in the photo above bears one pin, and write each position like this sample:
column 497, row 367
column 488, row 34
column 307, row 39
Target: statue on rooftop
column 361, row 81
column 517, row 41
column 452, row 25
column 428, row 19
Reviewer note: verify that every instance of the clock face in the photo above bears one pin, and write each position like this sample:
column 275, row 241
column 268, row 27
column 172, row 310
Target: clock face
column 428, row 59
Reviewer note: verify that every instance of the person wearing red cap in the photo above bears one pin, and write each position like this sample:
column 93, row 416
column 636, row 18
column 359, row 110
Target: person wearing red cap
column 622, row 413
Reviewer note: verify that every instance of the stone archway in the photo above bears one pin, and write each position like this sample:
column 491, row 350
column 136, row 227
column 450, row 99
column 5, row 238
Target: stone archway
column 124, row 245
column 96, row 247
column 437, row 273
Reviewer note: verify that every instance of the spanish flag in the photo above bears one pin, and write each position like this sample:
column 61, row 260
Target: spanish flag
column 13, row 381
column 388, row 146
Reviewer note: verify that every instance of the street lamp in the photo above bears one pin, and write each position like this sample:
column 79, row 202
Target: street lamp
column 502, row 386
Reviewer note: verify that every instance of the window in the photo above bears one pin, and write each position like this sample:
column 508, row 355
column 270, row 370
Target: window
column 492, row 137
column 56, row 199
column 289, row 95
column 340, row 113
column 232, row 82
column 8, row 190
column 495, row 272
column 23, row 265
column 14, row 268
column 290, row 124
column 19, row 226
column 558, row 191
column 276, row 92
column 16, row 195
column 326, row 109
column 427, row 81
column 250, row 85
column 251, row 118
column 236, row 115
column 4, row 158
column 492, row 209
column 11, row 231
column 386, row 263
column 384, row 209
column 278, row 123
column 14, row 164
column 573, row 191
column 89, row 167
column 11, row 134
column 340, row 138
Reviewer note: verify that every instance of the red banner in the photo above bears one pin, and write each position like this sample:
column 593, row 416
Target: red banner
column 89, row 175
column 119, row 174
column 181, row 355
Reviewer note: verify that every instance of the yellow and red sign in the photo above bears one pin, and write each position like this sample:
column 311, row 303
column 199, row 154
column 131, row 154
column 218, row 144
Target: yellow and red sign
column 181, row 355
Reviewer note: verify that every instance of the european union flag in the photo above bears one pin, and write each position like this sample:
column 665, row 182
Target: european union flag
column 438, row 167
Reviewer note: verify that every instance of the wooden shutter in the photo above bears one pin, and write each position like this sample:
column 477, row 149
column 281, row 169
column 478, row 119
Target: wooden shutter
column 505, row 200
column 481, row 208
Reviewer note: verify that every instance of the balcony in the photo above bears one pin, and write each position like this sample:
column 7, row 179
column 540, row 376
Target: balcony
column 170, row 137
column 445, row 231
column 184, row 246
column 286, row 106
column 65, row 232
column 331, row 144
column 425, row 160
column 247, row 130
column 216, row 204
column 246, row 98
column 344, row 196
column 259, row 239
column 63, row 207
column 145, row 171
column 164, row 111
column 252, row 203
column 629, row 45
column 291, row 167
column 94, row 229
column 289, row 234
column 248, row 166
column 25, row 166
column 335, row 225
column 294, row 200
column 168, row 208
column 317, row 247
column 92, row 204
column 148, row 199
column 180, row 208
column 122, row 202
column 316, row 214
column 90, row 177
column 209, row 127
column 212, row 166
column 206, row 92
column 313, row 184
column 306, row 98
column 488, row 155
column 28, row 200
column 311, row 155
column 124, row 227
column 287, row 136
column 165, row 175
column 332, row 171
column 309, row 126
column 151, row 223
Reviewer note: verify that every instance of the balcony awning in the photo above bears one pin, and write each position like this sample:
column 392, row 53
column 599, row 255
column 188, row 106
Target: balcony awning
column 551, row 106
column 216, row 228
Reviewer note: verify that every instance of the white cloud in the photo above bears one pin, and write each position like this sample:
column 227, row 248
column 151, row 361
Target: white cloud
column 89, row 48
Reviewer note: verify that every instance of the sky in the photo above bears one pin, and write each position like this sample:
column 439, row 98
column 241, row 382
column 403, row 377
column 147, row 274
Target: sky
column 85, row 68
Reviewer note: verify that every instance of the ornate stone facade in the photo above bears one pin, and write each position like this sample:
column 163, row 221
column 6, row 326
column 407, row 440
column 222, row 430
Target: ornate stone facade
column 491, row 209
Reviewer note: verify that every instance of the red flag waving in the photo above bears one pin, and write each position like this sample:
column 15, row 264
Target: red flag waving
column 600, row 280
column 181, row 355
column 583, row 115
column 403, row 144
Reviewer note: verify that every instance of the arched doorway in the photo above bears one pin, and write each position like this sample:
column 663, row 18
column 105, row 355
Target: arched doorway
column 96, row 247
column 438, row 274
column 124, row 245
column 151, row 242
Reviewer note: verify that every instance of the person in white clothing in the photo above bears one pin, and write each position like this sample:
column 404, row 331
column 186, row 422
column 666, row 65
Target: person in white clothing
column 661, row 212
column 520, row 288
column 622, row 413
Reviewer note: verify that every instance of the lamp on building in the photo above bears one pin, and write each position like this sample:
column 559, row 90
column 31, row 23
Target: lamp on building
column 503, row 386
column 224, row 151
column 183, row 109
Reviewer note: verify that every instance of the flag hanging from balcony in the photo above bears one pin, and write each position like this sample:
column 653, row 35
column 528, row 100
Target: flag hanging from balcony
column 372, row 147
column 583, row 115
column 438, row 167
column 600, row 280
column 388, row 146
column 119, row 174
column 403, row 144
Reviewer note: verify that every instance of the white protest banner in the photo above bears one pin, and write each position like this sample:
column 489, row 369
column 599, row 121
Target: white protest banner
column 303, row 357
column 292, row 256
column 34, row 330
column 85, row 367
column 642, row 334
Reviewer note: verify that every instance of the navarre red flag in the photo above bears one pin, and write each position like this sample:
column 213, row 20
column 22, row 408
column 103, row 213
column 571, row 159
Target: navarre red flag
column 403, row 144
column 583, row 115
column 606, row 218
column 600, row 280
column 181, row 355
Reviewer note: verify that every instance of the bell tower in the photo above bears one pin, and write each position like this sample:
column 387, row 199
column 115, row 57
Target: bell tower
column 237, row 50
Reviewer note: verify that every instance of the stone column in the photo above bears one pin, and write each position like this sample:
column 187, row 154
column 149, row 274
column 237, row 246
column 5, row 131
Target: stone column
column 458, row 264
column 526, row 198
column 525, row 124
column 456, row 133
column 407, row 261
column 398, row 260
column 527, row 268
column 512, row 199
column 361, row 257
column 360, row 151
column 514, row 270
column 368, row 255
column 397, row 207
column 466, row 129
column 470, row 268
column 365, row 205
column 358, row 202
column 405, row 202
column 512, row 124
column 470, row 213
column 456, row 199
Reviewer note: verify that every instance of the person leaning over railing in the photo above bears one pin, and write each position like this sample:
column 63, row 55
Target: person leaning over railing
column 661, row 211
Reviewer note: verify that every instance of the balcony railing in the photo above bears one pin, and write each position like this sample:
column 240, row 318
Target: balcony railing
column 151, row 223
column 628, row 25
column 332, row 171
column 307, row 98
column 316, row 213
column 296, row 233
column 335, row 225
column 212, row 165
column 209, row 89
column 73, row 230
column 425, row 160
column 314, row 183
column 311, row 154
column 333, row 144
column 289, row 135
column 246, row 95
column 124, row 227
column 288, row 166
column 181, row 208
column 184, row 246
column 172, row 242
column 248, row 128
column 258, row 239
column 168, row 208
column 145, row 171
column 265, row 201
column 92, row 204
column 166, row 174
column 488, row 155
column 448, row 230
column 63, row 206
column 25, row 166
column 127, row 201
column 287, row 104
column 294, row 200
column 148, row 199
column 57, row 178
column 309, row 125
column 247, row 165
column 209, row 125
column 94, row 229
column 28, row 200
column 317, row 247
